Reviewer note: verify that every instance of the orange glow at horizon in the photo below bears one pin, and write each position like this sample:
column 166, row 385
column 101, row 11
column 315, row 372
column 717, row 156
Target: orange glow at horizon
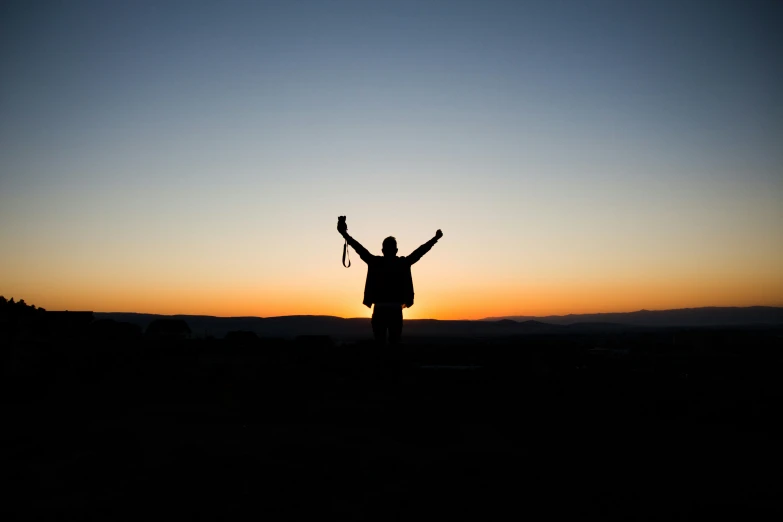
column 467, row 302
column 518, row 274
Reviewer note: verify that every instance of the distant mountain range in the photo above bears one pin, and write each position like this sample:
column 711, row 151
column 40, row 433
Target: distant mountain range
column 707, row 316
column 354, row 329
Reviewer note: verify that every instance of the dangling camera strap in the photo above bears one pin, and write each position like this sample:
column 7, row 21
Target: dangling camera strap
column 345, row 255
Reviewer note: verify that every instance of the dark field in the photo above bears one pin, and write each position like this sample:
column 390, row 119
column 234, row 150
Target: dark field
column 653, row 425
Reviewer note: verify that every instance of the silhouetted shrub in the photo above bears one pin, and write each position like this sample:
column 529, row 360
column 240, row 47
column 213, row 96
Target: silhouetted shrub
column 242, row 337
column 111, row 330
column 323, row 341
column 168, row 329
column 68, row 324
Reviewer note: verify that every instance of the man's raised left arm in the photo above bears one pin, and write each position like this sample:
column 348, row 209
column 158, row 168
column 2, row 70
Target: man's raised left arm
column 423, row 249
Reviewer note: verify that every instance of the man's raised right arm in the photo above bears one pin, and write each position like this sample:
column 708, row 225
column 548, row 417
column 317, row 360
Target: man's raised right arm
column 363, row 252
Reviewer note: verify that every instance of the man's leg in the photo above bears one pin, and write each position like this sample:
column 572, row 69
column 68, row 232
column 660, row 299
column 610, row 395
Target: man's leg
column 395, row 325
column 378, row 322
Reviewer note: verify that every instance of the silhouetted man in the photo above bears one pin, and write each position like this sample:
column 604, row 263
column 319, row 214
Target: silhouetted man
column 389, row 284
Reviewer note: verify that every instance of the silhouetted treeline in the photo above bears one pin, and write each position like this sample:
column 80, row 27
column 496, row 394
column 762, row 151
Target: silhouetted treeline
column 18, row 317
column 10, row 307
column 19, row 313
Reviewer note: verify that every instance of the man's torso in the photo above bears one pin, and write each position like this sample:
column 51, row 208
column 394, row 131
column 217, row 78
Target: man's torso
column 390, row 280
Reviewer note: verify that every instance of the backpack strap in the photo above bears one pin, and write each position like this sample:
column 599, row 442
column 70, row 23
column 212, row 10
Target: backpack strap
column 346, row 255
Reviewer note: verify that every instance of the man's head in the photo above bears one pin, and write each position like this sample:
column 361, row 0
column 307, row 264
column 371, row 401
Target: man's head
column 389, row 247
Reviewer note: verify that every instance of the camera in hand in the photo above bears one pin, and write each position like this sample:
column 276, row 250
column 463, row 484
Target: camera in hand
column 342, row 226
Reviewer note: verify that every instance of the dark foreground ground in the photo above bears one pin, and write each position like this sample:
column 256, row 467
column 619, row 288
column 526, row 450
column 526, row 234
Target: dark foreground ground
column 651, row 426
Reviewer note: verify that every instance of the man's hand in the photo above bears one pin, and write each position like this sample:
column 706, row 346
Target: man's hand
column 342, row 226
column 438, row 234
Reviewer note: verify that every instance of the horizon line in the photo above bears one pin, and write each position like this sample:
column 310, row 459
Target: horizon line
column 499, row 317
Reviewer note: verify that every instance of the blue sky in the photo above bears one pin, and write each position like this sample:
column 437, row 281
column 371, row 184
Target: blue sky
column 565, row 141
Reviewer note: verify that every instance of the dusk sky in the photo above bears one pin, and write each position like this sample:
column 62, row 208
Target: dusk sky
column 579, row 156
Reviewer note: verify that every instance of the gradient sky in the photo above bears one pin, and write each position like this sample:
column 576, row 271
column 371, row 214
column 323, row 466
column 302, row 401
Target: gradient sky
column 579, row 156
